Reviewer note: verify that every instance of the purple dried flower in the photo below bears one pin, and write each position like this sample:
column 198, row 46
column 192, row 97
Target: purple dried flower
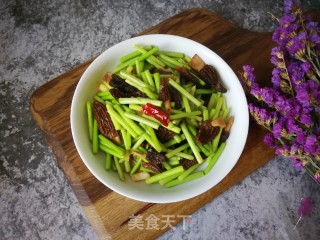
column 311, row 140
column 296, row 162
column 314, row 92
column 314, row 38
column 281, row 36
column 309, row 149
column 301, row 137
column 306, row 66
column 288, row 5
column 291, row 29
column 294, row 99
column 287, row 19
column 296, row 72
column 270, row 140
column 278, row 35
column 312, row 26
column 292, row 126
column 274, row 60
column 283, row 105
column 314, row 32
column 311, row 144
column 306, row 119
column 268, row 95
column 263, row 116
column 308, row 95
column 277, row 129
column 284, row 33
column 305, row 207
column 249, row 76
column 277, row 52
column 294, row 148
column 297, row 47
column 283, row 150
column 276, row 79
column 296, row 109
column 302, row 94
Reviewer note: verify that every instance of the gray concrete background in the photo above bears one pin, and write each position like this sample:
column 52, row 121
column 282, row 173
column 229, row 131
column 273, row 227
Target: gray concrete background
column 40, row 40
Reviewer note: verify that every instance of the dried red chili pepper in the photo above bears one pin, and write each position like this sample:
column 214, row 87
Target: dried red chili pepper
column 157, row 113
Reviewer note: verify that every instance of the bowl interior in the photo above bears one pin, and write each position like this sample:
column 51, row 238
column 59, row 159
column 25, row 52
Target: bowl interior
column 88, row 86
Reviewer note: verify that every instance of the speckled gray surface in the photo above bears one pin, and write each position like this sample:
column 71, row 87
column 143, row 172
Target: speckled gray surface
column 40, row 40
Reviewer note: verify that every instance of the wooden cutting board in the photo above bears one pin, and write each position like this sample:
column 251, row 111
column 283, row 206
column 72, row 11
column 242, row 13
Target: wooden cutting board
column 110, row 213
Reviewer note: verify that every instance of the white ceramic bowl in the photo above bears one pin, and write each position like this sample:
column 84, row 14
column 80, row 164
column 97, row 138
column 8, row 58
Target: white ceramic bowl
column 156, row 193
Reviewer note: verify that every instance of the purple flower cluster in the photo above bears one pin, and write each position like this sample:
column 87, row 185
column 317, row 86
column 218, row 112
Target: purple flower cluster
column 290, row 109
column 263, row 116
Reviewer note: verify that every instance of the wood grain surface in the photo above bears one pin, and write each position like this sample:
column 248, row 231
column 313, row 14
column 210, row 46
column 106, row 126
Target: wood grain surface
column 108, row 212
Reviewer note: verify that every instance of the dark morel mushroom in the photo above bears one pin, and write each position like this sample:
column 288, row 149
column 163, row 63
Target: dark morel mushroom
column 210, row 76
column 176, row 97
column 155, row 158
column 153, row 167
column 209, row 129
column 169, row 94
column 164, row 93
column 163, row 134
column 207, row 73
column 226, row 131
column 162, row 70
column 104, row 122
column 186, row 163
column 116, row 93
column 115, row 81
column 188, row 75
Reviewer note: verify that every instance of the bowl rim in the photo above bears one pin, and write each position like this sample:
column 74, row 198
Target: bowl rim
column 148, row 38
